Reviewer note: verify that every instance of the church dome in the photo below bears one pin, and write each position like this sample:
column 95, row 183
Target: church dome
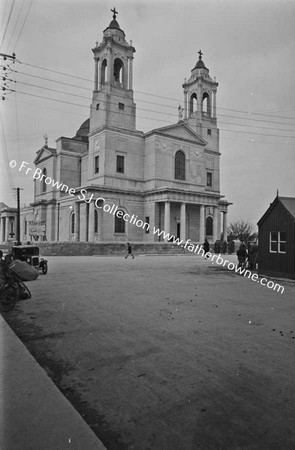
column 114, row 24
column 83, row 131
column 114, row 28
column 200, row 63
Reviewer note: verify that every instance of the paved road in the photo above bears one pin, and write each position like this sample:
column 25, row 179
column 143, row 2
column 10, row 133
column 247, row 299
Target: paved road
column 166, row 352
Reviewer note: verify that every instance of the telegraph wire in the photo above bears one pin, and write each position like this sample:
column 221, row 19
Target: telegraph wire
column 5, row 152
column 153, row 111
column 155, row 95
column 28, row 12
column 55, row 71
column 155, row 119
column 16, row 23
column 8, row 20
column 53, row 81
column 17, row 123
column 4, row 12
column 154, row 103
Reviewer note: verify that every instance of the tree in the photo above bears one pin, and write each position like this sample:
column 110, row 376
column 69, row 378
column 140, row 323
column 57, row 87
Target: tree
column 242, row 230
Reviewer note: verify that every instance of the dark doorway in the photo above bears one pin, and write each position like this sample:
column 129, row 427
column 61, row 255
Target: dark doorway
column 178, row 231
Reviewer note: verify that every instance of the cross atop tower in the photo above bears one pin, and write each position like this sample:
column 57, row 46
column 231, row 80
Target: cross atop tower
column 114, row 13
column 200, row 54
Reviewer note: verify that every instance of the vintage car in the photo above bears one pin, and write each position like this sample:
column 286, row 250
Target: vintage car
column 30, row 254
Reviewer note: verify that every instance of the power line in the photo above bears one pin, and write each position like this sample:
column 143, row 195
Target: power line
column 9, row 17
column 6, row 155
column 152, row 103
column 29, row 9
column 16, row 23
column 149, row 118
column 149, row 110
column 164, row 105
column 155, row 95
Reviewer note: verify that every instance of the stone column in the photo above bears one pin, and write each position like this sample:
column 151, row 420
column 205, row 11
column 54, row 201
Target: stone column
column 183, row 221
column 1, row 228
column 130, row 73
column 202, row 224
column 185, row 105
column 109, row 65
column 95, row 73
column 214, row 104
column 6, row 237
column 224, row 227
column 77, row 222
column 100, row 216
column 199, row 100
column 167, row 218
column 91, row 222
column 215, row 224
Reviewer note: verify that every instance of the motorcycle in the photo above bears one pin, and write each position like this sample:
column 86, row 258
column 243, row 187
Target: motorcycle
column 12, row 289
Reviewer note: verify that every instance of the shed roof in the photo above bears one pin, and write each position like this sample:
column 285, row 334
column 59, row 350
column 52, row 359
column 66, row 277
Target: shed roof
column 287, row 202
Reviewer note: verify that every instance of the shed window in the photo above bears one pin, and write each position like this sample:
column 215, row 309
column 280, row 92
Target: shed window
column 277, row 242
column 282, row 242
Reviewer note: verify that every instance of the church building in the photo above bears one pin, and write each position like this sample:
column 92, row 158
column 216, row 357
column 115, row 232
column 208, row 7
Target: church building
column 114, row 183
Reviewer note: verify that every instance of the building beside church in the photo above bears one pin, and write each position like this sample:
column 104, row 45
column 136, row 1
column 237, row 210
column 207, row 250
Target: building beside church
column 276, row 237
column 167, row 178
column 7, row 222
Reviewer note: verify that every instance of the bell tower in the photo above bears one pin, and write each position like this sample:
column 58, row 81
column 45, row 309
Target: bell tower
column 200, row 100
column 112, row 100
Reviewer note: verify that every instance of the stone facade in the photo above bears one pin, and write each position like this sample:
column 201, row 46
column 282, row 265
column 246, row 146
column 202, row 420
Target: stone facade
column 167, row 178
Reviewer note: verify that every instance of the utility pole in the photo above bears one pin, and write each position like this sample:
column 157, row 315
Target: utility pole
column 18, row 242
column 3, row 87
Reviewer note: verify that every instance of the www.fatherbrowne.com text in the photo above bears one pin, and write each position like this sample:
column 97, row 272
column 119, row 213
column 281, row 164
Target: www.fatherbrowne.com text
column 113, row 209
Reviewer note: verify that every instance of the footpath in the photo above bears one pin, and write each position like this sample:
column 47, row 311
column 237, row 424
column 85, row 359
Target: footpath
column 34, row 414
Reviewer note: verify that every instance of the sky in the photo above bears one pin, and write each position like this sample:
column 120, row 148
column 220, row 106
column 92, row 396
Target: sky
column 248, row 45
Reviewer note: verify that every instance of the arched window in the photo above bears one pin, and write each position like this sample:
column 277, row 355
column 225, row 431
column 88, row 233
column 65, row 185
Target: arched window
column 72, row 223
column 209, row 226
column 179, row 165
column 193, row 103
column 44, row 172
column 118, row 71
column 103, row 72
column 95, row 221
column 119, row 222
column 206, row 106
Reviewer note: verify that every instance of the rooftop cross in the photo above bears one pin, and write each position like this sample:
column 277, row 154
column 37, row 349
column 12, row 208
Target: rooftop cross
column 200, row 54
column 46, row 140
column 114, row 12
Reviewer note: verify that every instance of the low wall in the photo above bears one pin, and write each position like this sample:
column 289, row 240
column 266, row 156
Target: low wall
column 92, row 248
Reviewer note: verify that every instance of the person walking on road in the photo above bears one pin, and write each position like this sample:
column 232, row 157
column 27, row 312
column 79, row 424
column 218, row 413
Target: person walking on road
column 242, row 256
column 129, row 251
column 206, row 246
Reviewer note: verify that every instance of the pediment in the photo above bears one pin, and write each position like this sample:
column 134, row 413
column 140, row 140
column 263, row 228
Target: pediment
column 180, row 131
column 43, row 154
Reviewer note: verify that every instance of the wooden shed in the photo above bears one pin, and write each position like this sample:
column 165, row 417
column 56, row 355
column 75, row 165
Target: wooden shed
column 276, row 238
